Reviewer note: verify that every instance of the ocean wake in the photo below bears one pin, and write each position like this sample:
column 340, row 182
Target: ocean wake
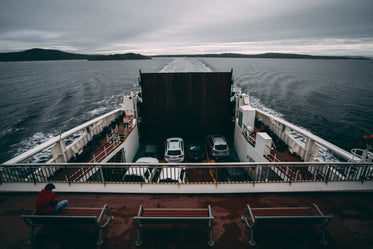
column 186, row 65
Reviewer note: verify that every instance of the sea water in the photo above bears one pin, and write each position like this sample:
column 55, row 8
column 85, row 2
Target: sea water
column 331, row 98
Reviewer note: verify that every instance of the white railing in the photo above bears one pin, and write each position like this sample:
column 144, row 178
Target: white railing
column 306, row 149
column 196, row 173
column 361, row 155
column 58, row 144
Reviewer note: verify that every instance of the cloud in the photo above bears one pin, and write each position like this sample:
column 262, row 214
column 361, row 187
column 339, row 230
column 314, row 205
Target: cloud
column 166, row 26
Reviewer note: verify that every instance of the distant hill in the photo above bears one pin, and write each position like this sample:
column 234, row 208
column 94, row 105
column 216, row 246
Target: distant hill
column 38, row 54
column 128, row 56
column 268, row 55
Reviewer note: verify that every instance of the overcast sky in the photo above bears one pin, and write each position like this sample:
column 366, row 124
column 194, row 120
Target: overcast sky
column 326, row 27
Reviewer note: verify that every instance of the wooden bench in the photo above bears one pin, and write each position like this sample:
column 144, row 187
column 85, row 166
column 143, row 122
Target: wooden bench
column 285, row 215
column 71, row 215
column 173, row 215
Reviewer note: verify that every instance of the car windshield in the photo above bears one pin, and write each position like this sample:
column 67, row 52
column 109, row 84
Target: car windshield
column 174, row 152
column 196, row 148
column 221, row 147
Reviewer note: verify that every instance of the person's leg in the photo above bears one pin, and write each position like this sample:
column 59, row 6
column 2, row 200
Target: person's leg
column 60, row 205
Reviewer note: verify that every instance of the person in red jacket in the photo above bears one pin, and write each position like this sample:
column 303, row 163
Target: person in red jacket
column 47, row 201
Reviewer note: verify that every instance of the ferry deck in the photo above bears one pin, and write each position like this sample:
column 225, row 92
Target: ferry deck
column 351, row 226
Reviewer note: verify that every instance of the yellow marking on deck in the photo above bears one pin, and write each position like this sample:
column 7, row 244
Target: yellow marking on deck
column 212, row 175
column 209, row 161
column 207, row 155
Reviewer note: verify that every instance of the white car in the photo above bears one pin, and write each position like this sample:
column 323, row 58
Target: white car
column 141, row 173
column 218, row 146
column 172, row 174
column 174, row 152
column 147, row 160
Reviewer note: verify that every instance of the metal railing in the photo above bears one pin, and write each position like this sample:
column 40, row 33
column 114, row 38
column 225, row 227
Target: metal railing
column 187, row 173
column 361, row 155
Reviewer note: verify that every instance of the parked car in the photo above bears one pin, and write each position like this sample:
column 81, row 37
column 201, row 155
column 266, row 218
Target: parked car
column 218, row 146
column 171, row 174
column 174, row 151
column 147, row 160
column 141, row 173
column 196, row 152
column 153, row 150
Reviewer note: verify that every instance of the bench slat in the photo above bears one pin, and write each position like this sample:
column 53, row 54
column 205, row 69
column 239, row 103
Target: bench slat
column 80, row 212
column 283, row 213
column 158, row 212
column 166, row 214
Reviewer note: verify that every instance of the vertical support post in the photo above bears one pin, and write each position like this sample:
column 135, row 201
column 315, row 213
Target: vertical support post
column 210, row 242
column 322, row 239
column 102, row 174
column 252, row 241
column 99, row 239
column 138, row 241
column 31, row 240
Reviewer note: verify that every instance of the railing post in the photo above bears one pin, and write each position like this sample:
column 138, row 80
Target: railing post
column 2, row 175
column 102, row 174
column 327, row 174
column 33, row 176
column 363, row 175
column 286, row 174
column 67, row 177
column 296, row 175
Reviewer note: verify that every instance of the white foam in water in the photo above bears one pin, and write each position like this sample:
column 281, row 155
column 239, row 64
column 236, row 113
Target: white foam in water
column 97, row 111
column 255, row 102
column 186, row 65
column 31, row 142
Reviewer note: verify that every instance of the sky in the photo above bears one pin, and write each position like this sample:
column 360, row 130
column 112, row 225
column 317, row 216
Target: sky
column 153, row 27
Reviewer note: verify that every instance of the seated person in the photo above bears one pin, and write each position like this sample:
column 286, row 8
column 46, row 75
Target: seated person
column 47, row 201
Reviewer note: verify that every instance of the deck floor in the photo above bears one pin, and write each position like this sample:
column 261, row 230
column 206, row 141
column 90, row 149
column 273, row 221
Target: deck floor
column 351, row 227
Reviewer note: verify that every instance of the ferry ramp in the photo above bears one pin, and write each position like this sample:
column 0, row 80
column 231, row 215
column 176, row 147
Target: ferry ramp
column 187, row 105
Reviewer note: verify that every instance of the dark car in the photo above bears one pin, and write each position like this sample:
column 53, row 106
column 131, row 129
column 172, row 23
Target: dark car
column 196, row 152
column 153, row 150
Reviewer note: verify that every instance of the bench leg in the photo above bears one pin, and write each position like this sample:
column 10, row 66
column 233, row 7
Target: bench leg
column 99, row 239
column 322, row 239
column 252, row 241
column 138, row 241
column 31, row 240
column 210, row 242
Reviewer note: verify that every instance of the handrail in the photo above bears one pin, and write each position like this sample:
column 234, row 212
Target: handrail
column 116, row 142
column 58, row 138
column 308, row 134
column 247, row 172
column 275, row 154
column 358, row 154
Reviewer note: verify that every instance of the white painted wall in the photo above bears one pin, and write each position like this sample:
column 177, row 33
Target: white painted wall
column 211, row 188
